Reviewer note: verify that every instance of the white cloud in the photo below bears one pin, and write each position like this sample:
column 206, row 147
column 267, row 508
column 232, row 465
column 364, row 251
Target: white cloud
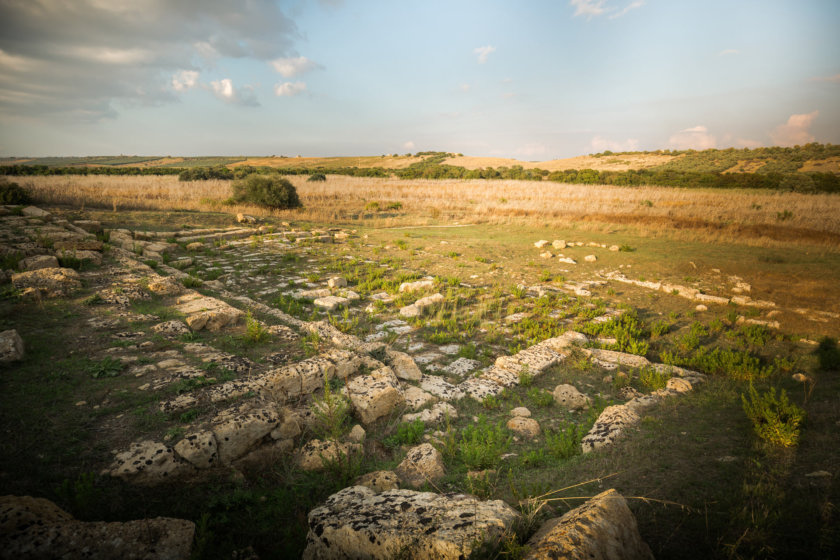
column 508, row 95
column 408, row 145
column 795, row 130
column 595, row 8
column 107, row 55
column 224, row 90
column 627, row 8
column 465, row 87
column 747, row 143
column 531, row 150
column 835, row 79
column 483, row 53
column 291, row 67
column 184, row 80
column 601, row 144
column 727, row 52
column 694, row 138
column 289, row 89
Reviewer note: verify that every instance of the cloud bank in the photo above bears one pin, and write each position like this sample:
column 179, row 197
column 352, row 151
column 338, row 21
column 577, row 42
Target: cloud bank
column 795, row 131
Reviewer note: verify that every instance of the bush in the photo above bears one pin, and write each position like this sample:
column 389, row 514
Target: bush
column 12, row 193
column 775, row 420
column 269, row 191
column 317, row 177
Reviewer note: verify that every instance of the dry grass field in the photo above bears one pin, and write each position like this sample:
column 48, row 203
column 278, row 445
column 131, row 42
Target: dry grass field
column 760, row 218
column 622, row 162
column 388, row 162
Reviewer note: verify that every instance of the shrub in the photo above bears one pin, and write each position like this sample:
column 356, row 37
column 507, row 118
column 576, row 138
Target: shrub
column 317, row 177
column 775, row 420
column 331, row 413
column 408, row 433
column 269, row 191
column 482, row 444
column 12, row 193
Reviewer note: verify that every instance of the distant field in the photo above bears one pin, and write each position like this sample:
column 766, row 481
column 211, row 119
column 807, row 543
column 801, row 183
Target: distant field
column 387, row 162
column 618, row 162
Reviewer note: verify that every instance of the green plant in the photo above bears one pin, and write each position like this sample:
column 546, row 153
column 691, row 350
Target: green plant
column 828, row 354
column 107, row 367
column 659, row 328
column 79, row 495
column 316, row 177
column 13, row 194
column 545, row 276
column 255, row 331
column 784, row 215
column 269, row 191
column 191, row 282
column 565, row 441
column 519, row 291
column 372, row 206
column 490, row 402
column 628, row 248
column 331, row 412
column 540, row 397
column 482, row 444
column 407, row 433
column 775, row 419
column 651, row 379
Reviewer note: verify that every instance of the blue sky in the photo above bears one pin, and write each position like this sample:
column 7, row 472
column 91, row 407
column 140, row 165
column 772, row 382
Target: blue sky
column 534, row 80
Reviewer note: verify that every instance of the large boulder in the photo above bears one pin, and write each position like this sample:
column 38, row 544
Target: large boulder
column 403, row 365
column 603, row 528
column 37, row 262
column 37, row 528
column 360, row 523
column 375, row 395
column 11, row 346
column 422, row 464
column 239, row 429
column 50, row 282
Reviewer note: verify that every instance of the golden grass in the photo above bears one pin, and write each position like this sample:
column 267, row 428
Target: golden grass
column 755, row 217
column 827, row 165
column 621, row 162
column 388, row 162
column 746, row 166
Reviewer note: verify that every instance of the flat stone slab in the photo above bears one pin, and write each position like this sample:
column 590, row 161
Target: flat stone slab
column 360, row 523
column 479, row 389
column 440, row 388
column 331, row 302
column 204, row 312
column 462, row 366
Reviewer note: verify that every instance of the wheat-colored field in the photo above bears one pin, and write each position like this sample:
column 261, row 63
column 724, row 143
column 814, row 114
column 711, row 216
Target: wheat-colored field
column 756, row 217
column 621, row 162
column 387, row 162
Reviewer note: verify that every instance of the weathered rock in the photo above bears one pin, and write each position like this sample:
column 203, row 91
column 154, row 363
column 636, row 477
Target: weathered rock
column 379, row 481
column 375, row 395
column 165, row 286
column 403, row 365
column 558, row 244
column 521, row 411
column 570, row 397
column 337, row 282
column 603, row 528
column 422, row 463
column 195, row 246
column 611, row 358
column 357, row 434
column 50, row 282
column 199, row 449
column 147, row 463
column 440, row 388
column 171, row 328
column 90, row 226
column 38, row 262
column 416, row 286
column 527, row 427
column 78, row 245
column 289, row 426
column 360, row 523
column 331, row 302
column 590, row 258
column 609, row 425
column 91, row 257
column 35, row 212
column 541, row 243
column 462, row 366
column 316, row 454
column 245, row 219
column 11, row 346
column 209, row 313
column 546, row 255
column 301, row 378
column 239, row 429
column 416, row 398
column 37, row 528
column 419, row 307
column 479, row 388
column 678, row 385
column 433, row 415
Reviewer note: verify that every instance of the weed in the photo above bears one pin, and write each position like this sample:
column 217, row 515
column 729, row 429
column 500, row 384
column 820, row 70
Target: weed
column 784, row 215
column 191, row 282
column 519, row 291
column 188, row 416
column 540, row 397
column 311, row 344
column 255, row 331
column 107, row 367
column 564, row 442
column 331, row 412
column 408, row 433
column 490, row 402
column 775, row 420
column 80, row 495
column 659, row 328
column 92, row 300
column 482, row 444
column 545, row 276
column 525, row 379
column 651, row 379
column 626, row 249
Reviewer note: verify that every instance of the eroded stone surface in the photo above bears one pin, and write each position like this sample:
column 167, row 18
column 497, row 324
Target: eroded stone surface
column 403, row 365
column 422, row 464
column 603, row 528
column 199, row 449
column 526, row 427
column 147, row 463
column 375, row 395
column 379, row 481
column 317, row 454
column 609, row 425
column 37, row 528
column 204, row 312
column 440, row 388
column 437, row 413
column 11, row 346
column 569, row 397
column 238, row 429
column 50, row 282
column 359, row 523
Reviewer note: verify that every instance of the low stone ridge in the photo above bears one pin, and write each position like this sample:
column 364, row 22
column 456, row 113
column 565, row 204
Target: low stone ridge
column 360, row 523
column 147, row 463
column 612, row 421
column 49, row 282
column 437, row 413
column 37, row 528
column 204, row 312
column 422, row 464
column 603, row 528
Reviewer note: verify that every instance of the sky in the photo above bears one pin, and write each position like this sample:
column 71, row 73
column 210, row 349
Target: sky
column 528, row 79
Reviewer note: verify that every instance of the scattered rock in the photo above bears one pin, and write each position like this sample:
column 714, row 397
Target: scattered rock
column 337, row 282
column 195, row 246
column 331, row 303
column 35, row 212
column 171, row 328
column 541, row 243
column 316, row 454
column 166, row 286
column 521, row 411
column 527, row 427
column 246, row 219
column 701, row 307
column 558, row 244
column 590, row 258
column 416, row 398
column 148, row 463
column 11, row 346
column 50, row 282
column 436, row 414
column 238, row 429
column 38, row 262
column 403, row 365
column 422, row 464
column 360, row 523
column 416, row 286
column 199, row 449
column 570, row 397
column 357, row 434
column 462, row 366
column 609, row 425
column 379, row 481
column 204, row 312
column 603, row 528
column 546, row 255
column 614, row 248
column 375, row 395
column 37, row 528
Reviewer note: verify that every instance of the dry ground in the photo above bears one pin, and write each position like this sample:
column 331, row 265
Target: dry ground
column 622, row 162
